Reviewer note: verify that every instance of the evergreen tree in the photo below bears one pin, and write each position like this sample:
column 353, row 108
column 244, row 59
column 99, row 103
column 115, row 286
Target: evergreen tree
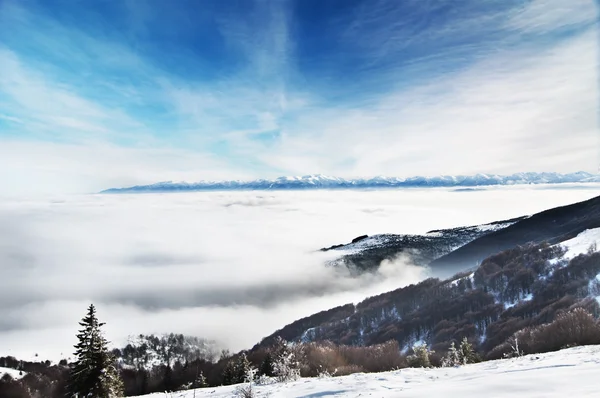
column 452, row 358
column 228, row 373
column 200, row 381
column 144, row 382
column 236, row 370
column 466, row 353
column 241, row 368
column 168, row 382
column 94, row 373
column 267, row 366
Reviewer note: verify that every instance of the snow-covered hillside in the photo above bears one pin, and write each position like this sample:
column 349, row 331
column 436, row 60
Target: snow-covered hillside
column 148, row 351
column 14, row 373
column 568, row 373
column 366, row 253
column 582, row 242
column 319, row 181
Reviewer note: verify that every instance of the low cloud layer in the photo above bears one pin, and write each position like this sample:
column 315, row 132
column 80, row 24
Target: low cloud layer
column 229, row 266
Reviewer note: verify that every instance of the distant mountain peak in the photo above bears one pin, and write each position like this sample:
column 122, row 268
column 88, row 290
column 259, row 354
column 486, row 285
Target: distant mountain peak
column 320, row 181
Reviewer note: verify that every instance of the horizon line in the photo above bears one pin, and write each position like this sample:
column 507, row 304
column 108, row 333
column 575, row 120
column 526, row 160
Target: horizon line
column 321, row 181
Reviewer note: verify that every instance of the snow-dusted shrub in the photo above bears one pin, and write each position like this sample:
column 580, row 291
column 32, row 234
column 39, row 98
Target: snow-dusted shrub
column 420, row 357
column 375, row 358
column 452, row 358
column 264, row 380
column 320, row 359
column 287, row 368
column 323, row 373
column 247, row 390
column 515, row 350
column 348, row 370
column 199, row 382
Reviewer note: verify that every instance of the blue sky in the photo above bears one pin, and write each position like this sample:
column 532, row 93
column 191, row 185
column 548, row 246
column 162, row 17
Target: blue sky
column 107, row 93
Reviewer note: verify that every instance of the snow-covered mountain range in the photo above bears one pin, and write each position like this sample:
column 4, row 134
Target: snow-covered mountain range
column 320, row 181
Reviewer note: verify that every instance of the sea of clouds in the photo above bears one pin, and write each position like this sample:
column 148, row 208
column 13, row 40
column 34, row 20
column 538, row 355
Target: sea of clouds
column 230, row 266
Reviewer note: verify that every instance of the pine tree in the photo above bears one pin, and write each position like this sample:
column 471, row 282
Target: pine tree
column 241, row 369
column 267, row 367
column 235, row 371
column 452, row 358
column 466, row 353
column 200, row 381
column 94, row 373
column 228, row 373
column 168, row 383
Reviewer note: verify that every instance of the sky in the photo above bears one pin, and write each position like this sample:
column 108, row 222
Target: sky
column 229, row 266
column 101, row 94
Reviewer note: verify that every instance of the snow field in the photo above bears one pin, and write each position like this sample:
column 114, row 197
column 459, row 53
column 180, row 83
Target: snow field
column 573, row 372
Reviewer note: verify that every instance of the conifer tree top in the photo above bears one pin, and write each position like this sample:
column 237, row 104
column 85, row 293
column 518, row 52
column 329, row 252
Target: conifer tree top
column 94, row 373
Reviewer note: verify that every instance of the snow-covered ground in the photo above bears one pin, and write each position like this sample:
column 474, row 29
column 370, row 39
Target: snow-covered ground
column 14, row 373
column 568, row 373
column 581, row 243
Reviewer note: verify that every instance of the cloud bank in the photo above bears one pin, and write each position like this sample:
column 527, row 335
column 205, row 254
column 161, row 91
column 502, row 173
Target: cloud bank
column 230, row 266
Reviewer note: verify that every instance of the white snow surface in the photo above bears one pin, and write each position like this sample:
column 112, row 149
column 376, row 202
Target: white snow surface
column 581, row 243
column 14, row 373
column 568, row 373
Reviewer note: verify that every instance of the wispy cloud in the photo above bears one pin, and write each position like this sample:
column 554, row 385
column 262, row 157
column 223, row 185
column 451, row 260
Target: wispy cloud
column 374, row 88
column 546, row 16
column 56, row 110
column 495, row 113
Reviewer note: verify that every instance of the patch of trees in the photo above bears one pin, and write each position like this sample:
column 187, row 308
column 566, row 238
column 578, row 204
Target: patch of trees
column 570, row 328
column 144, row 351
column 296, row 328
column 37, row 379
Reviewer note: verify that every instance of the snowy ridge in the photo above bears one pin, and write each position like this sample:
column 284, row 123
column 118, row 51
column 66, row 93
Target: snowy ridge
column 367, row 252
column 571, row 372
column 14, row 373
column 319, row 181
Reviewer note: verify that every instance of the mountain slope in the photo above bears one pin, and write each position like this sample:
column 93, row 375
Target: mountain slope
column 326, row 182
column 554, row 226
column 521, row 287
